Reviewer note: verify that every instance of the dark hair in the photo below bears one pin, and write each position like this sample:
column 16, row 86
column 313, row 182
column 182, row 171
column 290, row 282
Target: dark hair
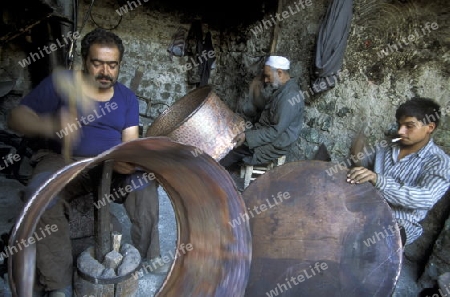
column 100, row 36
column 425, row 110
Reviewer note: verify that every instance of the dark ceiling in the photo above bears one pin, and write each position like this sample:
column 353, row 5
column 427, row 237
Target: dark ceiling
column 18, row 15
column 220, row 14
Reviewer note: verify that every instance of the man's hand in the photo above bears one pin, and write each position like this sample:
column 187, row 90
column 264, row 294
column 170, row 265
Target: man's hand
column 124, row 167
column 360, row 175
column 239, row 139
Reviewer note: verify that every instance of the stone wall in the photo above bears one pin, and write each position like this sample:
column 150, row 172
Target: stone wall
column 374, row 85
column 439, row 260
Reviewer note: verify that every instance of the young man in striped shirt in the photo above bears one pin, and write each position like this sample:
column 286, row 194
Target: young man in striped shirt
column 412, row 174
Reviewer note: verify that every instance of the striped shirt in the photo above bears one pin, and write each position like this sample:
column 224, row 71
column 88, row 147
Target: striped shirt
column 412, row 185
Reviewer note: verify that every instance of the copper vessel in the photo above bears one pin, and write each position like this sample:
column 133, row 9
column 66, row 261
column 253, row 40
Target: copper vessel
column 314, row 234
column 204, row 198
column 200, row 119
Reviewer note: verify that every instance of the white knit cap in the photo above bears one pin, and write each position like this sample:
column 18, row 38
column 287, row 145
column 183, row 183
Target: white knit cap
column 278, row 62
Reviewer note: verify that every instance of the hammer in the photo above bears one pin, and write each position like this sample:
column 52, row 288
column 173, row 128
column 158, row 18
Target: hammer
column 72, row 88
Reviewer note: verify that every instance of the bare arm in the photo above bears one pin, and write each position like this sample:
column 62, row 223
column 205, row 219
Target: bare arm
column 25, row 121
column 128, row 134
column 432, row 183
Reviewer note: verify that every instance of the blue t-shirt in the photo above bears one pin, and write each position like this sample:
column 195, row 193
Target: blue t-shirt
column 101, row 127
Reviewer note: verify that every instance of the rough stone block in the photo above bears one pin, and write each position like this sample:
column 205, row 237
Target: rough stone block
column 108, row 273
column 88, row 265
column 165, row 95
column 142, row 107
column 420, row 250
column 439, row 262
column 131, row 259
column 112, row 260
column 81, row 221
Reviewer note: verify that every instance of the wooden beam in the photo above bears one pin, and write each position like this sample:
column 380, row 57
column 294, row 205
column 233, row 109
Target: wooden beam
column 276, row 29
column 102, row 229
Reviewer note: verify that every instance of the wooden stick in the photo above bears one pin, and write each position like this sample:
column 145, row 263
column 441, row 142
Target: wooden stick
column 102, row 218
column 276, row 29
column 67, row 146
column 71, row 89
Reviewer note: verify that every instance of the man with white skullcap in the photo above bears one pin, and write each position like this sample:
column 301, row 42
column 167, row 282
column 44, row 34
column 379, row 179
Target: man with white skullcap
column 278, row 62
column 280, row 122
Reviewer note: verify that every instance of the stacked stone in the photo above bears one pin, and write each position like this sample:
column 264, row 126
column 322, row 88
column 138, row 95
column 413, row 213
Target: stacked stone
column 113, row 277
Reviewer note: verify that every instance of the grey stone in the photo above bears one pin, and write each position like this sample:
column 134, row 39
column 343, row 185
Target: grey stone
column 166, row 95
column 326, row 123
column 131, row 259
column 432, row 226
column 108, row 273
column 142, row 107
column 439, row 261
column 327, row 107
column 88, row 265
column 305, row 132
column 343, row 112
column 311, row 122
column 313, row 136
column 112, row 260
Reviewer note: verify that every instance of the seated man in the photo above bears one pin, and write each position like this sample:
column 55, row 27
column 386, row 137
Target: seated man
column 413, row 174
column 279, row 124
column 114, row 119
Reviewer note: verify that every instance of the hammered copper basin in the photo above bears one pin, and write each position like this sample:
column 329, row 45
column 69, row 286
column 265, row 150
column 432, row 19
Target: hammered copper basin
column 204, row 198
column 200, row 119
column 314, row 234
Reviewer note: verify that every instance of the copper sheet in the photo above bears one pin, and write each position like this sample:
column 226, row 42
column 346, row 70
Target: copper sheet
column 325, row 220
column 204, row 198
column 200, row 119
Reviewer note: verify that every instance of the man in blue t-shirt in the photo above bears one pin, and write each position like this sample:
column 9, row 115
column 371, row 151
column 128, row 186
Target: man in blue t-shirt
column 112, row 118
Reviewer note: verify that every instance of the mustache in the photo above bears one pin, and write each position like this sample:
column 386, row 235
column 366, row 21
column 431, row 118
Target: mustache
column 102, row 76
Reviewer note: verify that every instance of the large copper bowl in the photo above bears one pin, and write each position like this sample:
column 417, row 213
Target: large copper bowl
column 204, row 198
column 314, row 234
column 200, row 119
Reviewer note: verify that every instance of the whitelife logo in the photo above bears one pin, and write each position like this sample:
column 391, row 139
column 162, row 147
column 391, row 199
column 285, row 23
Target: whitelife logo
column 394, row 47
column 49, row 49
column 86, row 120
column 305, row 275
column 266, row 24
column 244, row 217
column 11, row 250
